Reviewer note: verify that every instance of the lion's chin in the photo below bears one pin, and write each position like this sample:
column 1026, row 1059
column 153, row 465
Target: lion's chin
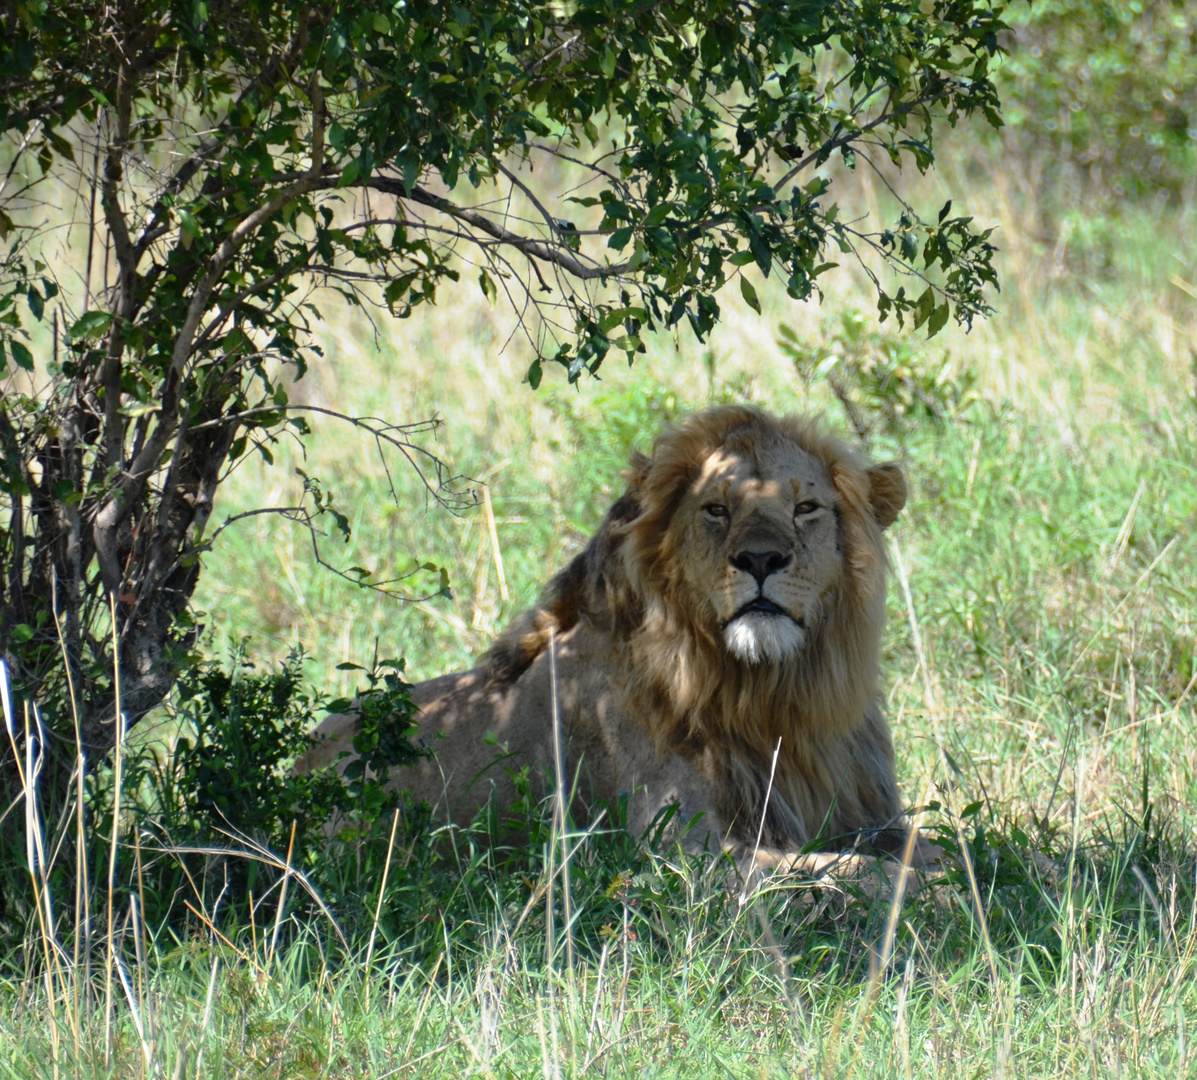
column 758, row 638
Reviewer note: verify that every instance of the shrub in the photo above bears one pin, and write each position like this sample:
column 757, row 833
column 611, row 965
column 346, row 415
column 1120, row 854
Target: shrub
column 1104, row 94
column 879, row 378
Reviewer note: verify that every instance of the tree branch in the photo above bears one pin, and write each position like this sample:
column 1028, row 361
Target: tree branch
column 278, row 68
column 537, row 249
column 831, row 145
column 126, row 260
column 127, row 490
column 383, row 432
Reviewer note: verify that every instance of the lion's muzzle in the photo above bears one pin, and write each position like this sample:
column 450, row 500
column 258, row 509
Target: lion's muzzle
column 761, row 606
column 762, row 631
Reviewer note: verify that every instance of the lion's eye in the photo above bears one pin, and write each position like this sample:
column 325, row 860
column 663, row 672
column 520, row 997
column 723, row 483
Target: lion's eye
column 716, row 510
column 804, row 508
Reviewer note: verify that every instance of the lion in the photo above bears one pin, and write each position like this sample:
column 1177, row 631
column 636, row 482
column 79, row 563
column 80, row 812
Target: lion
column 713, row 649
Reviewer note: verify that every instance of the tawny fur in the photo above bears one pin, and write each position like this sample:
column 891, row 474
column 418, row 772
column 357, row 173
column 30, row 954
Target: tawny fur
column 652, row 701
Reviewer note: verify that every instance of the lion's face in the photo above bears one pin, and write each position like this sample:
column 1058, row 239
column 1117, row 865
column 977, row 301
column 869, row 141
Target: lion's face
column 743, row 543
column 758, row 537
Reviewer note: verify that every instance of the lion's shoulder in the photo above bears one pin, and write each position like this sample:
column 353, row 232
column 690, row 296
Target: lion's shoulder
column 580, row 590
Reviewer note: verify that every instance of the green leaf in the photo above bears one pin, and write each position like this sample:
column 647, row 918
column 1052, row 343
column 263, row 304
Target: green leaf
column 938, row 319
column 923, row 307
column 22, row 356
column 91, row 324
column 657, row 214
column 617, row 316
column 619, row 238
column 65, row 492
column 187, row 220
column 397, row 289
column 139, row 408
column 487, row 285
column 748, row 291
column 411, row 173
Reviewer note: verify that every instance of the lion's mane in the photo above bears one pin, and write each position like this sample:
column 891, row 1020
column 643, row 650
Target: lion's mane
column 818, row 713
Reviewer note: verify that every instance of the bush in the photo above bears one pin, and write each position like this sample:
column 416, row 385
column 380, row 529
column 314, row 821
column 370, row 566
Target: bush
column 881, row 380
column 1104, row 94
column 222, row 780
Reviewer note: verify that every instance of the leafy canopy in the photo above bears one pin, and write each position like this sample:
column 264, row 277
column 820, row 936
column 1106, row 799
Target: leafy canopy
column 696, row 132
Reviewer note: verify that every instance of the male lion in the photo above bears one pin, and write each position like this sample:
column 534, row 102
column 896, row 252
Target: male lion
column 729, row 609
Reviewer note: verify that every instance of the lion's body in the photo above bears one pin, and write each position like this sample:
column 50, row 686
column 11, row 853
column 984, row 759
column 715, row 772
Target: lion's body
column 729, row 609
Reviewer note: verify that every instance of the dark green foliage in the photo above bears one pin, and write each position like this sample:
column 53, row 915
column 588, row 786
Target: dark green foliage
column 218, row 778
column 386, row 723
column 238, row 732
column 1103, row 95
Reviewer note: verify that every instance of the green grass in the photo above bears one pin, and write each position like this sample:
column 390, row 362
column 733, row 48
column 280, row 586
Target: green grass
column 1050, row 556
column 684, row 980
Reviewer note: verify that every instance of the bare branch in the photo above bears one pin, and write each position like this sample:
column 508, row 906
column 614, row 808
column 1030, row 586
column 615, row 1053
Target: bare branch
column 384, row 433
column 557, row 255
column 303, row 516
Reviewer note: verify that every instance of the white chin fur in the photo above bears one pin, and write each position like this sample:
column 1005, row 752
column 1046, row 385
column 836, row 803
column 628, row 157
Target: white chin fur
column 755, row 638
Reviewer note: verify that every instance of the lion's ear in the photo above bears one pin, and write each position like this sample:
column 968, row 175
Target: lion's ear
column 637, row 471
column 887, row 492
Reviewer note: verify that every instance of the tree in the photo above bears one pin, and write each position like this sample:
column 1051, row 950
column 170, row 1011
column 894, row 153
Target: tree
column 183, row 178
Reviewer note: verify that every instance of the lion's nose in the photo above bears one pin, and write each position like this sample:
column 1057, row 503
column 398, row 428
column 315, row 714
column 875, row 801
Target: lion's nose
column 760, row 564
